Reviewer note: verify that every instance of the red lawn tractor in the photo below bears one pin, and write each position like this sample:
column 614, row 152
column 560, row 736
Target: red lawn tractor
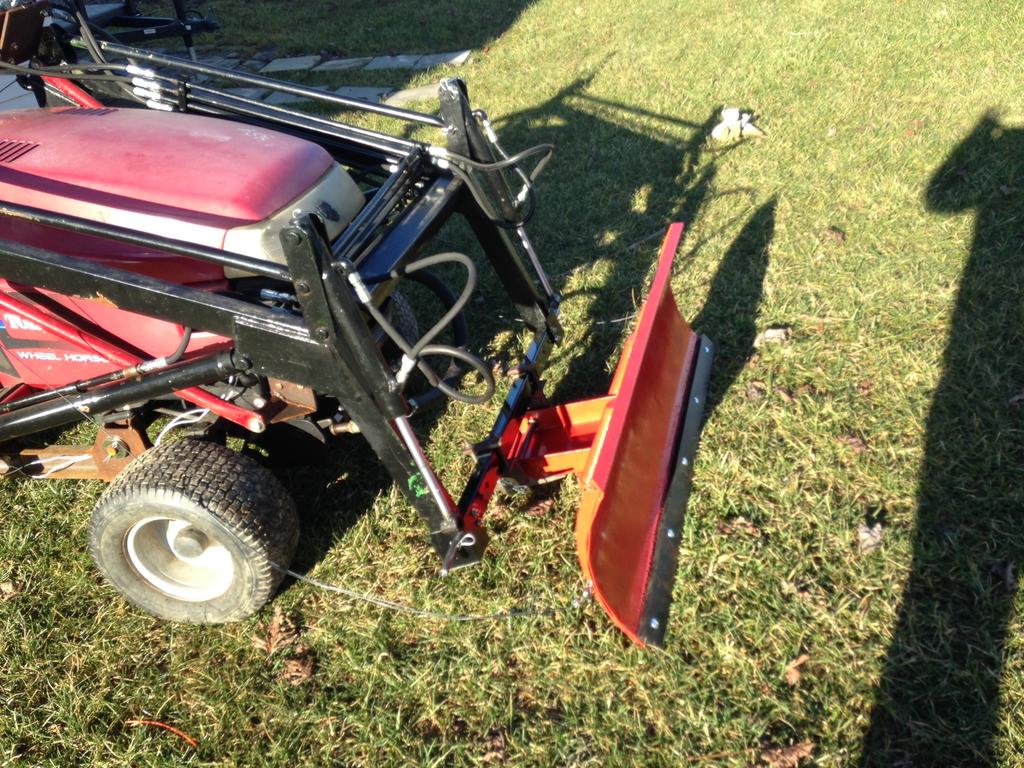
column 169, row 248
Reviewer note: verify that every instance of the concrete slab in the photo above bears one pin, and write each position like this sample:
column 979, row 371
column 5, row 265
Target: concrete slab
column 394, row 62
column 412, row 95
column 280, row 99
column 334, row 65
column 291, row 64
column 375, row 94
column 224, row 62
column 248, row 93
column 452, row 58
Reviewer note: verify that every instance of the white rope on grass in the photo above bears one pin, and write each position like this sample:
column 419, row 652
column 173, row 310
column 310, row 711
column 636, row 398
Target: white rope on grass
column 412, row 610
column 68, row 461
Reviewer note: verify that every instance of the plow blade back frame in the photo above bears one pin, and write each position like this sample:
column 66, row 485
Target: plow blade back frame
column 633, row 452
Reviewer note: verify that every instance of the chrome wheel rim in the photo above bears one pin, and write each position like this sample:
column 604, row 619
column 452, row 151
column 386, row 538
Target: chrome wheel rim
column 178, row 559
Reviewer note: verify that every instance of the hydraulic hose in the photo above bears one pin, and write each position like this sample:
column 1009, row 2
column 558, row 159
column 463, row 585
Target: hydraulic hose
column 413, row 354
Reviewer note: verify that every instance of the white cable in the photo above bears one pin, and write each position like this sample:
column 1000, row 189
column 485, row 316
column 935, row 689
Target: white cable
column 71, row 460
column 403, row 608
column 67, row 462
column 181, row 420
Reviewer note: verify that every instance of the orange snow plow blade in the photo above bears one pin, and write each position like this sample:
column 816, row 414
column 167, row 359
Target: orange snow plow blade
column 633, row 452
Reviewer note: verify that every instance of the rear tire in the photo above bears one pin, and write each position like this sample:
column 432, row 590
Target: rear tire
column 192, row 531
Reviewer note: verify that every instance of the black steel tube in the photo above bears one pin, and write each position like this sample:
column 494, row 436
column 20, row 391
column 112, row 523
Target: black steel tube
column 386, row 145
column 350, row 242
column 71, row 389
column 266, row 82
column 55, row 413
column 134, row 237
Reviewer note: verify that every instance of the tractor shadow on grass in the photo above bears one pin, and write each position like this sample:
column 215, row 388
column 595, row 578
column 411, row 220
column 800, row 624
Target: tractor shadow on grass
column 620, row 175
column 729, row 314
column 938, row 702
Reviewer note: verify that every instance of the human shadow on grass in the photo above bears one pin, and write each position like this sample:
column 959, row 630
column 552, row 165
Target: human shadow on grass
column 938, row 701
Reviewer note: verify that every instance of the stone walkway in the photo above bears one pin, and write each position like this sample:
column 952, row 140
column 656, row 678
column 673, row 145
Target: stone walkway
column 13, row 96
column 280, row 66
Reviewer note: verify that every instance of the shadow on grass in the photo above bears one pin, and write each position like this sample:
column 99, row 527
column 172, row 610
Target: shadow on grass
column 729, row 315
column 362, row 27
column 938, row 702
column 620, row 176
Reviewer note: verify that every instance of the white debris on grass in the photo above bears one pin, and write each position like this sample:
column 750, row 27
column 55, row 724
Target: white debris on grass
column 735, row 125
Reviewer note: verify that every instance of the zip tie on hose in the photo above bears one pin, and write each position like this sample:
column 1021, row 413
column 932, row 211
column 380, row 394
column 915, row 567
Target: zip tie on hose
column 410, row 609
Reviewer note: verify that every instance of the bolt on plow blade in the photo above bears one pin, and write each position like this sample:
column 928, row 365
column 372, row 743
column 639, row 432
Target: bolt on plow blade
column 633, row 451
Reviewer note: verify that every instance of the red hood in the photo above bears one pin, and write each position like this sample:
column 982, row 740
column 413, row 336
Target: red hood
column 202, row 170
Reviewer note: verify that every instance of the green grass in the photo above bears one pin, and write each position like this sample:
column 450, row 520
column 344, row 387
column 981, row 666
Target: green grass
column 905, row 335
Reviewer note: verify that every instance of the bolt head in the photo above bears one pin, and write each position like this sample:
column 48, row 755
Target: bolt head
column 255, row 424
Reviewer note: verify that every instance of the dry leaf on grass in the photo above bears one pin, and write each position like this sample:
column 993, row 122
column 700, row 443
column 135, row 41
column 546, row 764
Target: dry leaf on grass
column 738, row 525
column 785, row 394
column 787, row 757
column 540, row 507
column 496, row 746
column 8, row 589
column 869, row 537
column 793, row 673
column 756, row 390
column 281, row 632
column 1006, row 572
column 834, row 234
column 774, row 335
column 299, row 669
column 856, row 444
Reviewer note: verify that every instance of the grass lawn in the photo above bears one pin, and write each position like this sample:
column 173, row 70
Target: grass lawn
column 880, row 222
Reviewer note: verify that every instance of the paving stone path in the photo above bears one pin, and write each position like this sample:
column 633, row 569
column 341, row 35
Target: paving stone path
column 276, row 67
column 12, row 96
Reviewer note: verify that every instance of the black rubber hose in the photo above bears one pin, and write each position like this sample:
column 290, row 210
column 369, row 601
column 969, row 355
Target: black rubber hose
column 446, row 388
column 430, row 281
column 460, row 333
column 414, row 352
column 176, row 354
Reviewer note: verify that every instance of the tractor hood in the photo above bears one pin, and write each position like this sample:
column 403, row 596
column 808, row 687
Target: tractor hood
column 198, row 179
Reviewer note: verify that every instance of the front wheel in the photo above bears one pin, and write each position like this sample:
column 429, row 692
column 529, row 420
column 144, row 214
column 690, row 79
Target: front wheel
column 194, row 531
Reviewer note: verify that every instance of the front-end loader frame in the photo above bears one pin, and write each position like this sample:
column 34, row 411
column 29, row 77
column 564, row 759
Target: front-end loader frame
column 633, row 449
